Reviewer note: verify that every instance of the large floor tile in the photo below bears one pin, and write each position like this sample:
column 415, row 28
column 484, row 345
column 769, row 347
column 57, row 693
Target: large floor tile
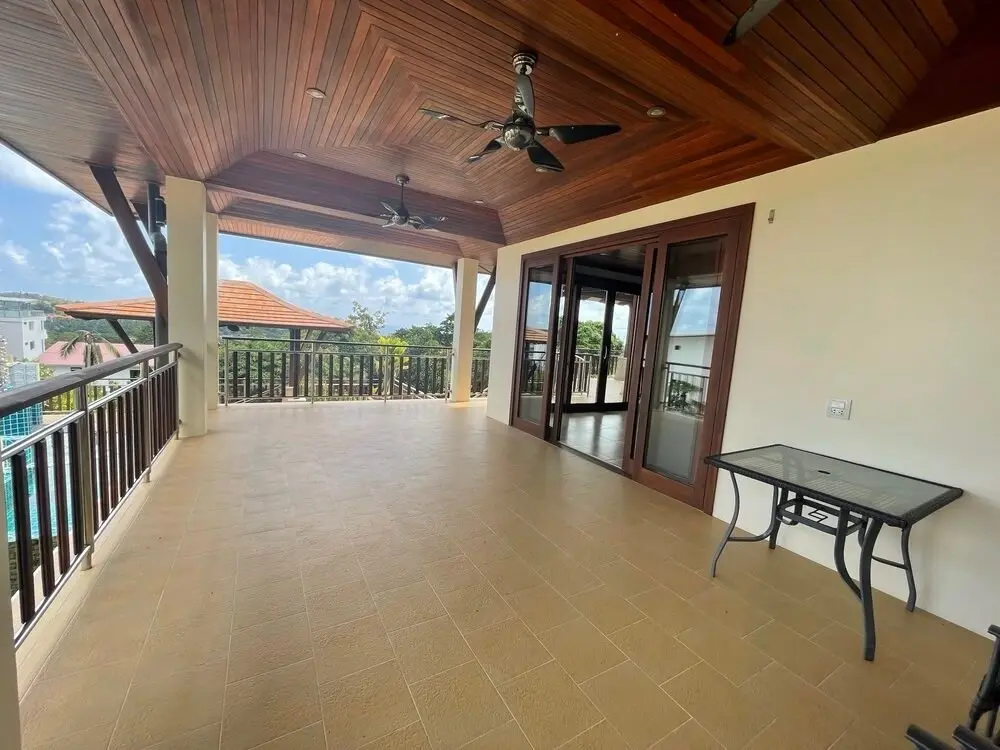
column 507, row 650
column 64, row 705
column 269, row 645
column 366, row 706
column 548, row 706
column 263, row 708
column 352, row 647
column 634, row 704
column 161, row 708
column 654, row 651
column 459, row 705
column 429, row 648
column 581, row 649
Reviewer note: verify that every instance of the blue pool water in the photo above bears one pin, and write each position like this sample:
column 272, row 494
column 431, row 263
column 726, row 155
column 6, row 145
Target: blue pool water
column 8, row 494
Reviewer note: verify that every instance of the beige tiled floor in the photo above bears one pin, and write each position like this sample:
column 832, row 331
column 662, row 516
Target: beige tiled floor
column 413, row 576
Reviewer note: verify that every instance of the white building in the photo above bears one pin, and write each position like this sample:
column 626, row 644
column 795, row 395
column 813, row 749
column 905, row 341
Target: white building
column 24, row 330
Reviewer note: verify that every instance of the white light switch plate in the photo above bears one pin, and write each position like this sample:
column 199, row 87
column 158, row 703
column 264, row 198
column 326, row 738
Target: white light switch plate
column 839, row 408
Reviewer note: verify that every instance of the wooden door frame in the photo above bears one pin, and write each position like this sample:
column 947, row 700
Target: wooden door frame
column 736, row 230
column 539, row 429
column 739, row 220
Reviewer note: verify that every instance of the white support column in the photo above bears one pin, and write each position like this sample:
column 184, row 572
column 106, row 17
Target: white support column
column 186, row 298
column 212, row 311
column 10, row 720
column 467, row 272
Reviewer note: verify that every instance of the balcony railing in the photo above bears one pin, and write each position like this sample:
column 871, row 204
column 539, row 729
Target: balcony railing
column 65, row 481
column 685, row 388
column 272, row 370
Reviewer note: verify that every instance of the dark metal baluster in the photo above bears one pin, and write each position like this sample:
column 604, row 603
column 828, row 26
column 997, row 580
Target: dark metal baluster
column 22, row 537
column 77, row 476
column 135, row 434
column 361, row 375
column 260, row 374
column 306, row 370
column 392, row 375
column 246, row 375
column 43, row 507
column 270, row 375
column 284, row 374
column 62, row 509
column 350, row 375
column 101, row 450
column 112, row 437
column 121, row 408
column 96, row 477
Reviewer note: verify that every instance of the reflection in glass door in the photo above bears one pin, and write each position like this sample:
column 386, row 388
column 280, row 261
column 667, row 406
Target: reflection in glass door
column 534, row 349
column 588, row 345
column 619, row 347
column 683, row 338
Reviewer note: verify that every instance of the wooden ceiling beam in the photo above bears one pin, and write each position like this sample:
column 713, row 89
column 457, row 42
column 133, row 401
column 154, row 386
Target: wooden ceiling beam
column 270, row 175
column 271, row 213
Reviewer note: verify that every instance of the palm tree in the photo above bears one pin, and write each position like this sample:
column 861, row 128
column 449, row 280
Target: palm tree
column 92, row 344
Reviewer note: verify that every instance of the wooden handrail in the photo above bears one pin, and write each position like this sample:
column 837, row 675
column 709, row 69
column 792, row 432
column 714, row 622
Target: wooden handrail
column 35, row 393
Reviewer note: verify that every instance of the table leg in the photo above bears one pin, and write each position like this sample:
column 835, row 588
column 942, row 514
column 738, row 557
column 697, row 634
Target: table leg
column 867, row 604
column 775, row 523
column 838, row 552
column 911, row 601
column 728, row 537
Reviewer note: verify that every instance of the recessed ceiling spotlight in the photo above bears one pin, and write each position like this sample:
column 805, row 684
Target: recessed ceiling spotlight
column 656, row 111
column 541, row 169
column 479, row 201
column 316, row 93
column 300, row 154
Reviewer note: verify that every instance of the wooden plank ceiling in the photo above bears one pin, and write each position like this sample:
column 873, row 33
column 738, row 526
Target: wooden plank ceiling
column 215, row 90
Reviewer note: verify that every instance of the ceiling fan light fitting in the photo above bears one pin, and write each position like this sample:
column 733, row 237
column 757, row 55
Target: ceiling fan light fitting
column 656, row 111
column 316, row 93
column 479, row 201
column 300, row 154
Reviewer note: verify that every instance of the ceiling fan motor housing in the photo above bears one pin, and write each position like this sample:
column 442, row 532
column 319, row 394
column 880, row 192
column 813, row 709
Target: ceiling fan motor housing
column 518, row 134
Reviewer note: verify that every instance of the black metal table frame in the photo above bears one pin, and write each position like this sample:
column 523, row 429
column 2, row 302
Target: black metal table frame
column 849, row 520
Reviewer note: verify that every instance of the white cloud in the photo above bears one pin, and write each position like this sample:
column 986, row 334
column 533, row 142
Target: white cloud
column 15, row 253
column 329, row 288
column 371, row 260
column 17, row 170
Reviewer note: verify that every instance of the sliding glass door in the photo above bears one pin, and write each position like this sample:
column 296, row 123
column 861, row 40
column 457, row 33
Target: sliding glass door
column 678, row 410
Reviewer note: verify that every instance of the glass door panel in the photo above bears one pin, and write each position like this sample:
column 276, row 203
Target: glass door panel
column 588, row 345
column 682, row 364
column 615, row 386
column 533, row 357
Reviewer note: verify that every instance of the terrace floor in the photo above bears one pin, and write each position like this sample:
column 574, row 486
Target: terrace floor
column 412, row 575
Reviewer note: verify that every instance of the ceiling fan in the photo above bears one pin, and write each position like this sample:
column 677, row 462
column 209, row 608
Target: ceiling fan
column 519, row 132
column 399, row 216
column 758, row 10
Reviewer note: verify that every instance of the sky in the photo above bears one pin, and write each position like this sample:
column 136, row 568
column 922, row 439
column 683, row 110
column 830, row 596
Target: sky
column 52, row 241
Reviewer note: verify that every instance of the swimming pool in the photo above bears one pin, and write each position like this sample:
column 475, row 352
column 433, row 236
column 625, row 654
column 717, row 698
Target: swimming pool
column 8, row 493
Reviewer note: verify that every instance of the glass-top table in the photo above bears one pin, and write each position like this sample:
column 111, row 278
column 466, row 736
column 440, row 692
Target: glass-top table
column 859, row 498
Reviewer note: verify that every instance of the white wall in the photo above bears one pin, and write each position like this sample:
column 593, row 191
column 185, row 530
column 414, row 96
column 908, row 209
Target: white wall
column 876, row 282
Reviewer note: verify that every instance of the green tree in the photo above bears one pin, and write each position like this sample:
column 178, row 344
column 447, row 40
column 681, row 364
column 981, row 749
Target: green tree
column 91, row 342
column 590, row 337
column 367, row 323
column 425, row 335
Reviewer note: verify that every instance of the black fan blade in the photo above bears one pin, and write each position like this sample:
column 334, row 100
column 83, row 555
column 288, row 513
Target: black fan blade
column 524, row 95
column 543, row 158
column 389, row 207
column 489, row 148
column 435, row 115
column 756, row 13
column 578, row 133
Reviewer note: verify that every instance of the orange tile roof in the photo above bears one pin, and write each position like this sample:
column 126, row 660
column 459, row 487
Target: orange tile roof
column 240, row 303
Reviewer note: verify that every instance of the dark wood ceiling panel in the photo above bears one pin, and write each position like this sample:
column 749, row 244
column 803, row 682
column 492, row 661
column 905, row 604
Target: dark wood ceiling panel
column 271, row 175
column 299, row 236
column 215, row 90
column 270, row 213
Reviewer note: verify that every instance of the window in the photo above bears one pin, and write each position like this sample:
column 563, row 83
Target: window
column 31, row 326
column 31, row 344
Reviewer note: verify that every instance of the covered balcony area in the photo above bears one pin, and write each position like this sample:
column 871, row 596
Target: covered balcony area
column 413, row 574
